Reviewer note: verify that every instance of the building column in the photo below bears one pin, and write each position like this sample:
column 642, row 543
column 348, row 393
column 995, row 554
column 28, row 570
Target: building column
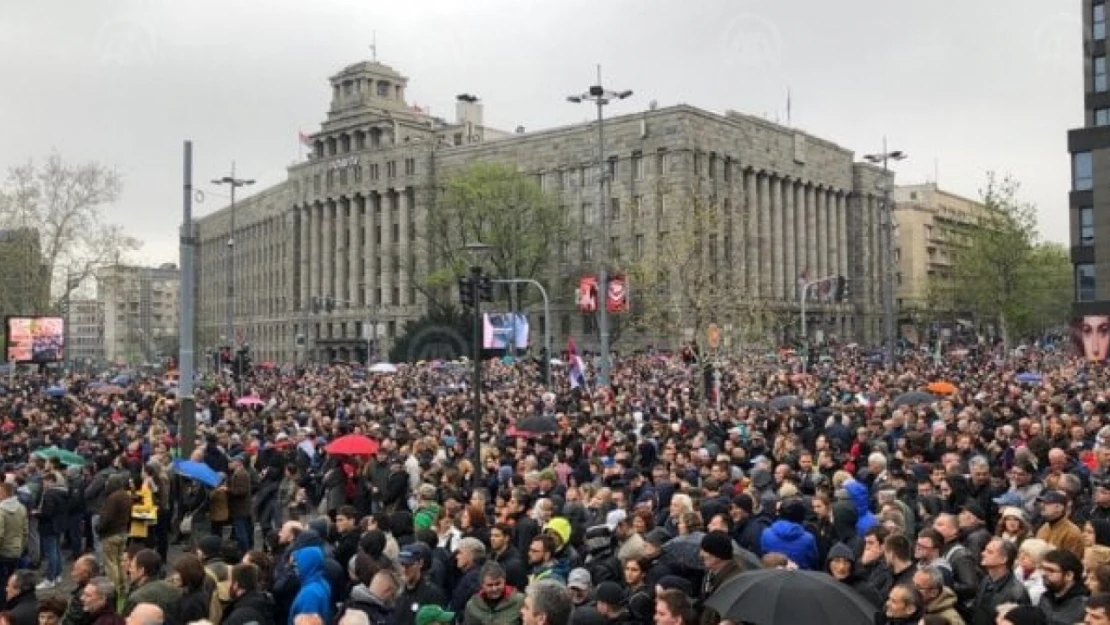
column 342, row 216
column 813, row 253
column 778, row 245
column 764, row 213
column 841, row 236
column 403, row 210
column 820, row 225
column 388, row 199
column 318, row 250
column 354, row 255
column 788, row 285
column 829, row 212
column 751, row 234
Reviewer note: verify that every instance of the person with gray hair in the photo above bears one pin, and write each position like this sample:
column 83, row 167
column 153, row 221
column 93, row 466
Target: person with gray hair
column 546, row 602
column 98, row 602
column 939, row 599
column 469, row 557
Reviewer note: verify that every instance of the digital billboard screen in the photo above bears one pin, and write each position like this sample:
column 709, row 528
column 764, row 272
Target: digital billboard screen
column 35, row 340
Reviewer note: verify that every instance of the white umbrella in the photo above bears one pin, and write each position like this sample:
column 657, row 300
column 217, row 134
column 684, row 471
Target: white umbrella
column 383, row 367
column 557, row 362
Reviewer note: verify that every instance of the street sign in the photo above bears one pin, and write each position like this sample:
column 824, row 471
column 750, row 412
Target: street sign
column 713, row 336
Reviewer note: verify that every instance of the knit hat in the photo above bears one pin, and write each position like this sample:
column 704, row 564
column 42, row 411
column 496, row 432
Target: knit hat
column 667, row 582
column 560, row 527
column 1025, row 615
column 579, row 579
column 210, row 546
column 717, row 544
column 657, row 537
column 611, row 593
column 793, row 511
column 423, row 520
column 429, row 614
column 840, row 550
column 744, row 502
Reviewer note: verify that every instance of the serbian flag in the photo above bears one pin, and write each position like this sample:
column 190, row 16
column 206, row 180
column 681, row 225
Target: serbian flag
column 575, row 369
column 304, row 139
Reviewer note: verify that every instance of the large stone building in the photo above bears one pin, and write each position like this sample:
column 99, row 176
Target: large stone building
column 141, row 307
column 349, row 220
column 85, row 346
column 1089, row 146
column 927, row 219
column 24, row 274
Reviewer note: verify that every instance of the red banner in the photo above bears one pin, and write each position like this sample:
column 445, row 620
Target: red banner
column 617, row 299
column 587, row 294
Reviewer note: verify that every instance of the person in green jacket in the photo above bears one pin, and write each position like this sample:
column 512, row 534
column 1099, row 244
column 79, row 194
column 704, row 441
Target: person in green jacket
column 496, row 603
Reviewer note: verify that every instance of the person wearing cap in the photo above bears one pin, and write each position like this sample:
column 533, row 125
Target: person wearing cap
column 581, row 586
column 747, row 527
column 565, row 554
column 432, row 614
column 1100, row 504
column 841, row 565
column 415, row 560
column 612, row 603
column 496, row 603
column 720, row 566
column 1023, row 482
column 1057, row 529
column 973, row 527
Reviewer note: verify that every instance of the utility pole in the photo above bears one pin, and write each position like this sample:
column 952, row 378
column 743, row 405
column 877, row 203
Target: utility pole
column 234, row 183
column 600, row 97
column 889, row 332
column 187, row 423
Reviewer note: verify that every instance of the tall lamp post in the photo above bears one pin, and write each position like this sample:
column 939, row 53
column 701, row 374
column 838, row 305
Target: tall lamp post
column 600, row 96
column 475, row 288
column 234, row 183
column 884, row 158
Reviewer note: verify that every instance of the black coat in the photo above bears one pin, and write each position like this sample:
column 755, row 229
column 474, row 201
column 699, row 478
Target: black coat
column 24, row 609
column 194, row 605
column 516, row 573
column 992, row 594
column 54, row 512
column 253, row 607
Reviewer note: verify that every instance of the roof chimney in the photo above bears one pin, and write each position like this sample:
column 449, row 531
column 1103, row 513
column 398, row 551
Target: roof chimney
column 468, row 109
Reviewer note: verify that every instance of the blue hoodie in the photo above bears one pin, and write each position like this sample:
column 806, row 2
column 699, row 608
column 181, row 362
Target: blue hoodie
column 793, row 541
column 861, row 499
column 314, row 597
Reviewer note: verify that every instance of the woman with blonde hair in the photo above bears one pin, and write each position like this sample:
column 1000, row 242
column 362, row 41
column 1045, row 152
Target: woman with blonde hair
column 1093, row 558
column 1027, row 569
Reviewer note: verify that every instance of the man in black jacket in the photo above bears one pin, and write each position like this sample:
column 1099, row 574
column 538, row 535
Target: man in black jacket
column 1064, row 600
column 418, row 589
column 249, row 604
column 999, row 586
column 503, row 552
column 52, row 516
column 965, row 575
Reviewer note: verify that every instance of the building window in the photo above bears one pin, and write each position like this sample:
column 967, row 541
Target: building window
column 316, row 183
column 614, row 209
column 391, row 169
column 615, row 248
column 611, row 171
column 1100, row 74
column 637, row 207
column 357, row 172
column 1086, row 225
column 638, row 247
column 374, row 171
column 410, row 166
column 712, row 165
column 564, row 251
column 1082, row 172
column 342, row 177
column 661, row 161
column 728, row 169
column 637, row 165
column 587, row 250
column 1102, row 117
column 1098, row 22
column 1085, row 282
column 331, row 178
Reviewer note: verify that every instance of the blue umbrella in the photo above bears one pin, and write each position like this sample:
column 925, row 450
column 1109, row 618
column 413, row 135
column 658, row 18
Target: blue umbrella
column 1029, row 377
column 56, row 391
column 198, row 472
column 121, row 380
column 96, row 384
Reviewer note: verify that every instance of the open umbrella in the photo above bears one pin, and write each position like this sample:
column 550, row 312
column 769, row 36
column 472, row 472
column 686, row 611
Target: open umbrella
column 352, row 445
column 122, row 380
column 942, row 388
column 198, row 472
column 913, row 398
column 109, row 389
column 383, row 367
column 55, row 391
column 65, row 456
column 685, row 552
column 785, row 597
column 537, row 425
column 784, row 401
column 250, row 401
column 1029, row 377
column 752, row 403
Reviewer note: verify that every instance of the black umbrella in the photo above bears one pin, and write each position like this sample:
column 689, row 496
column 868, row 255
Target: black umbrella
column 784, row 597
column 913, row 398
column 537, row 425
column 752, row 403
column 784, row 401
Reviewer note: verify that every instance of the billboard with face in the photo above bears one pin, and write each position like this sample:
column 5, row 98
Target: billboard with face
column 1090, row 335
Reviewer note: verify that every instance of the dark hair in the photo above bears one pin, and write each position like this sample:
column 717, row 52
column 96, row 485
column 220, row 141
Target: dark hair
column 245, row 577
column 933, row 536
column 548, row 543
column 913, row 597
column 54, row 605
column 348, row 511
column 190, row 570
column 149, row 561
column 1067, row 561
column 365, row 568
column 1099, row 601
column 899, row 546
column 231, row 551
column 678, row 604
column 1010, row 550
column 264, row 562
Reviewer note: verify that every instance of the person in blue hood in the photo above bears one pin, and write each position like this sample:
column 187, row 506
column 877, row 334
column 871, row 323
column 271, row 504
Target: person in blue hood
column 861, row 499
column 314, row 597
column 788, row 537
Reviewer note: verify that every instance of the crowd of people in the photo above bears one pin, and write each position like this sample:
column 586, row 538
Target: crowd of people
column 986, row 501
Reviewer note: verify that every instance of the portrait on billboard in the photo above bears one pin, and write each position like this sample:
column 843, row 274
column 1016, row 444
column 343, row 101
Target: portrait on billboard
column 617, row 299
column 1090, row 336
column 587, row 294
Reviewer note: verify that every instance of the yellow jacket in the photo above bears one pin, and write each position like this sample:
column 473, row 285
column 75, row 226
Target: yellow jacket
column 143, row 514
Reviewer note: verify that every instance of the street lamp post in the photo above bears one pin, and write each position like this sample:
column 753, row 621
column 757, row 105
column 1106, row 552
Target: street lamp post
column 885, row 157
column 600, row 97
column 234, row 183
column 473, row 289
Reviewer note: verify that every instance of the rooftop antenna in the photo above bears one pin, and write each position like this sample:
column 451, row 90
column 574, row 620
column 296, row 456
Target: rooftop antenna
column 374, row 46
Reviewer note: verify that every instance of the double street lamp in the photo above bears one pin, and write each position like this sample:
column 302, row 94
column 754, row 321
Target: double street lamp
column 889, row 337
column 234, row 183
column 474, row 289
column 601, row 96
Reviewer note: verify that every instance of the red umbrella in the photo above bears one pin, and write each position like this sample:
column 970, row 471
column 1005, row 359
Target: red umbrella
column 352, row 445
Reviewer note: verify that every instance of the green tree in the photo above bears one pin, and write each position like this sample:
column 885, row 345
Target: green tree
column 1001, row 273
column 500, row 206
column 64, row 202
column 442, row 334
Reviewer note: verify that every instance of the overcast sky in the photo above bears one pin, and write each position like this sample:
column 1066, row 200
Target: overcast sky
column 962, row 87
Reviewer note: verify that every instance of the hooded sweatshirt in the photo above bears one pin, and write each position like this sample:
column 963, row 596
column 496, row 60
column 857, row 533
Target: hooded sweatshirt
column 861, row 499
column 314, row 597
column 791, row 540
column 854, row 579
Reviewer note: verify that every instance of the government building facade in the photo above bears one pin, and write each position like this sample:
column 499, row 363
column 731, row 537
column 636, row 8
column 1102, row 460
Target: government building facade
column 349, row 221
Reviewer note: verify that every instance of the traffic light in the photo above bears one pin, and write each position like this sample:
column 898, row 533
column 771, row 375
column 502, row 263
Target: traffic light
column 485, row 289
column 466, row 292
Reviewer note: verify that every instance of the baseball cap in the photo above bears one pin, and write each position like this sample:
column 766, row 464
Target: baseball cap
column 429, row 614
column 414, row 553
column 1009, row 500
column 657, row 537
column 973, row 507
column 1053, row 496
column 579, row 579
